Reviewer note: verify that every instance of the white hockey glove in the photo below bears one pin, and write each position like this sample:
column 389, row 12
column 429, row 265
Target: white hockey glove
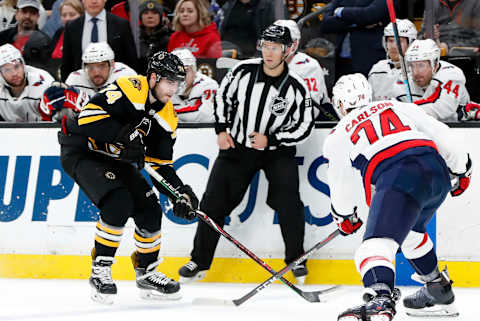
column 460, row 182
column 347, row 224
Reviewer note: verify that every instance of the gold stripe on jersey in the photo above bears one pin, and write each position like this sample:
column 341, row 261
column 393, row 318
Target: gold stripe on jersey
column 158, row 161
column 147, row 242
column 136, row 90
column 91, row 113
column 167, row 117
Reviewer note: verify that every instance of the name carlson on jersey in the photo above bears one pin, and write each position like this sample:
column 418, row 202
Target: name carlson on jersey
column 366, row 114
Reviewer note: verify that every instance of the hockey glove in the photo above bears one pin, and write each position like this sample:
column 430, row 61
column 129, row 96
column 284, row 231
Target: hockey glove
column 471, row 111
column 185, row 206
column 461, row 181
column 347, row 224
column 59, row 100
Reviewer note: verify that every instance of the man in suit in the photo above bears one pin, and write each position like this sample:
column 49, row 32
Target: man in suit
column 96, row 25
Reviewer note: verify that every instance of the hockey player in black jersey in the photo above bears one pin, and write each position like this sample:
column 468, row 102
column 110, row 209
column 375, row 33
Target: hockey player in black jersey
column 104, row 147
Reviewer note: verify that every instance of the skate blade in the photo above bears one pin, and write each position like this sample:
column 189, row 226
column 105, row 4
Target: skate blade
column 101, row 298
column 199, row 276
column 438, row 310
column 151, row 295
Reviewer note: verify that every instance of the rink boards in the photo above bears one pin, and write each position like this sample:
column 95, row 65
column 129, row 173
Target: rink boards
column 47, row 225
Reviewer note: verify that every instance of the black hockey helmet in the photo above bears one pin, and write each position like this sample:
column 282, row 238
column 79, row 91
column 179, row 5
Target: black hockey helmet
column 277, row 34
column 166, row 65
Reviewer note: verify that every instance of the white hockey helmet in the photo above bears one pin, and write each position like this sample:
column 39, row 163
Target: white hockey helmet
column 187, row 58
column 97, row 52
column 421, row 50
column 351, row 91
column 406, row 29
column 9, row 53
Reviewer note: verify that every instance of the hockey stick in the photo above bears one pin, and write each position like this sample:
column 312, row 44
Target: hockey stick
column 277, row 276
column 309, row 296
column 393, row 19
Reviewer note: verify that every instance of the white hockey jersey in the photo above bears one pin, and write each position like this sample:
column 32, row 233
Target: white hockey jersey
column 197, row 107
column 25, row 108
column 445, row 93
column 312, row 73
column 386, row 82
column 80, row 80
column 369, row 135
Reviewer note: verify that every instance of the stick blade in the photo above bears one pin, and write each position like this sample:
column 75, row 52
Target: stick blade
column 213, row 301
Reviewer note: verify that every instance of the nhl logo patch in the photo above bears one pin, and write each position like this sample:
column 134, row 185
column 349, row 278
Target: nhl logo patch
column 110, row 175
column 279, row 106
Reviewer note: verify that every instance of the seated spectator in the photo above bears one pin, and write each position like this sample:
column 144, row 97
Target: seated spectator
column 309, row 70
column 359, row 29
column 22, row 87
column 455, row 23
column 194, row 30
column 99, row 69
column 439, row 84
column 154, row 35
column 95, row 26
column 193, row 102
column 27, row 16
column 385, row 77
column 241, row 23
column 69, row 10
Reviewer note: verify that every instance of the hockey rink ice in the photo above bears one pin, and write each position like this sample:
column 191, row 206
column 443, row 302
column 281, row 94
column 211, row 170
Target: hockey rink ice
column 69, row 300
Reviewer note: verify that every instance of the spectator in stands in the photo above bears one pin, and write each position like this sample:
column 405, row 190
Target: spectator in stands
column 154, row 35
column 96, row 25
column 22, row 87
column 69, row 11
column 359, row 27
column 54, row 21
column 455, row 23
column 438, row 87
column 242, row 22
column 193, row 101
column 385, row 77
column 194, row 30
column 27, row 16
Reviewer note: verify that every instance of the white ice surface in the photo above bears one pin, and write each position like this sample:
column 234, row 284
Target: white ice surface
column 69, row 300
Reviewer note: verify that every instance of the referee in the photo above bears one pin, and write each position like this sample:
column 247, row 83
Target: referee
column 262, row 110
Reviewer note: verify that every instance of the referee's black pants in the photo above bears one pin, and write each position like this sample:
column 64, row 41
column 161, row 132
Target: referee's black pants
column 229, row 179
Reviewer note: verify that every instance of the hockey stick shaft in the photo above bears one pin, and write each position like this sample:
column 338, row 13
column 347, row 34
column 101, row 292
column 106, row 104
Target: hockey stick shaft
column 287, row 268
column 309, row 296
column 393, row 19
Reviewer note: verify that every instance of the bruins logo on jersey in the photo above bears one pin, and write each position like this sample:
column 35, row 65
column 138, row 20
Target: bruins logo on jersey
column 135, row 83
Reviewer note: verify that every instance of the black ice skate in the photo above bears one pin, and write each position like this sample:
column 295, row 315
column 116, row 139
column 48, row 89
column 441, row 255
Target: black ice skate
column 300, row 273
column 377, row 307
column 155, row 285
column 190, row 272
column 434, row 299
column 103, row 287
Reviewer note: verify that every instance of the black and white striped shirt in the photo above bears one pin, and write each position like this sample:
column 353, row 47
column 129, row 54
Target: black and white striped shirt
column 250, row 101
